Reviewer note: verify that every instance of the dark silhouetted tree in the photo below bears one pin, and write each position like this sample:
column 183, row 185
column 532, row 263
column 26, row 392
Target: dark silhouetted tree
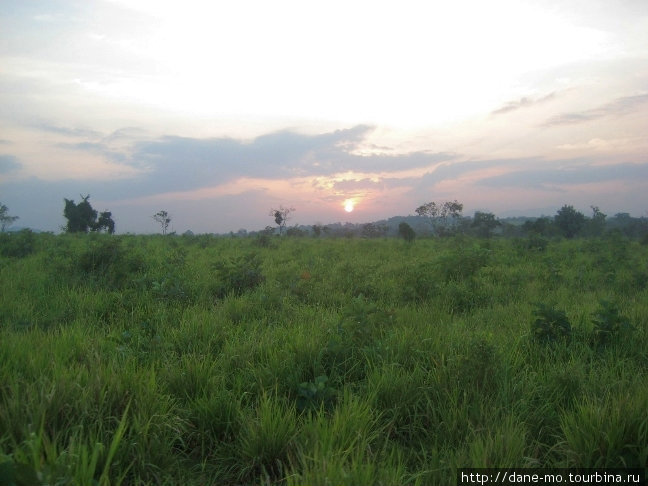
column 281, row 217
column 106, row 222
column 5, row 219
column 484, row 224
column 440, row 215
column 164, row 219
column 83, row 218
column 406, row 232
column 569, row 221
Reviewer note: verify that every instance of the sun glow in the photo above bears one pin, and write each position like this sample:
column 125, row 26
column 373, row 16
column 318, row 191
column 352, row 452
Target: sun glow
column 348, row 205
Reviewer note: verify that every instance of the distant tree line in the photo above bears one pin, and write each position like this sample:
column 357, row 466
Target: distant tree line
column 438, row 219
column 445, row 218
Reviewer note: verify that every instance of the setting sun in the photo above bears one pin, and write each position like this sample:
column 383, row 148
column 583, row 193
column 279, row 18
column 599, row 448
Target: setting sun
column 348, row 205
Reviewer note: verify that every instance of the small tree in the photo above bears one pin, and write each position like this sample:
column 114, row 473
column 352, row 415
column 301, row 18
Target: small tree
column 163, row 218
column 106, row 222
column 5, row 219
column 569, row 221
column 485, row 223
column 281, row 217
column 596, row 225
column 406, row 232
column 83, row 218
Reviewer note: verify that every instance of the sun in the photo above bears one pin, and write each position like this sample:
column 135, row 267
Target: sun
column 348, row 205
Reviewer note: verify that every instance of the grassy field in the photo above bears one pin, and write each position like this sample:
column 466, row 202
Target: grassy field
column 301, row 361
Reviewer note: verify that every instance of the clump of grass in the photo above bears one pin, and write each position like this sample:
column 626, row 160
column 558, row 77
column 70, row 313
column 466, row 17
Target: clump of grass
column 267, row 438
column 608, row 432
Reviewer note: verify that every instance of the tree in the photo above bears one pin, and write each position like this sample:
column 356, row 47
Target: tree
column 281, row 217
column 569, row 221
column 439, row 214
column 106, row 222
column 163, row 218
column 83, row 218
column 542, row 226
column 406, row 232
column 596, row 225
column 485, row 223
column 5, row 219
column 372, row 230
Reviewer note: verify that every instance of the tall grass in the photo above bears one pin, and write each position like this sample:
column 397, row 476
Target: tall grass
column 199, row 360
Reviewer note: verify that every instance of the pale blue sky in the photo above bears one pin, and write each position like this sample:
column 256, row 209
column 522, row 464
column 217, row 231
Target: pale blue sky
column 217, row 111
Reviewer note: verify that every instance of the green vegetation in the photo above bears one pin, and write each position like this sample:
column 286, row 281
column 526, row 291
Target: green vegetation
column 322, row 361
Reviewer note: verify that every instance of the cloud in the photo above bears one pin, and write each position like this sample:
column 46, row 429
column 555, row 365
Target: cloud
column 99, row 148
column 174, row 164
column 67, row 131
column 348, row 186
column 553, row 177
column 524, row 102
column 181, row 163
column 618, row 107
column 9, row 163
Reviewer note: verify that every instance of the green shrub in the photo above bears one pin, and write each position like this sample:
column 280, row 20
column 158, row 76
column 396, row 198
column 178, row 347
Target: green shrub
column 550, row 324
column 460, row 296
column 361, row 320
column 108, row 263
column 536, row 243
column 463, row 263
column 311, row 395
column 17, row 245
column 608, row 324
column 238, row 275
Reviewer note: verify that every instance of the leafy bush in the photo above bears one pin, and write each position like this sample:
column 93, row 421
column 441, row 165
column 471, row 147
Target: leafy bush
column 311, row 395
column 608, row 324
column 169, row 288
column 463, row 263
column 239, row 274
column 419, row 282
column 107, row 262
column 550, row 324
column 361, row 319
column 536, row 243
column 477, row 366
column 459, row 296
column 18, row 245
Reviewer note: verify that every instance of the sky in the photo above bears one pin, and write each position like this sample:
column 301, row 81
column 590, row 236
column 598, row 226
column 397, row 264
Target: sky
column 219, row 111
